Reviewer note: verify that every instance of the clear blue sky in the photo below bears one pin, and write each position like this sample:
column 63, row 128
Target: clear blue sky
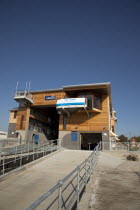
column 56, row 43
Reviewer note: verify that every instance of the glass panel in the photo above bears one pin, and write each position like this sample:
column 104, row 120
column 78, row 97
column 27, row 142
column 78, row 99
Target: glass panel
column 97, row 102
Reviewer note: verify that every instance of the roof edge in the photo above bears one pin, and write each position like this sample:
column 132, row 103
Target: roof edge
column 87, row 85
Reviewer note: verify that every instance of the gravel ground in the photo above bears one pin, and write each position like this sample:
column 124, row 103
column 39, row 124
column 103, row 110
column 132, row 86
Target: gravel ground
column 114, row 185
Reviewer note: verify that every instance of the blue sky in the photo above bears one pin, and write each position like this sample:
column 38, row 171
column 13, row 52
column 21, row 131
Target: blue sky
column 56, row 43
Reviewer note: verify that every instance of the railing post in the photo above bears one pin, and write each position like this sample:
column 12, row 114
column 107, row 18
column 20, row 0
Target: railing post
column 38, row 150
column 28, row 150
column 21, row 158
column 51, row 147
column 15, row 153
column 78, row 185
column 3, row 164
column 128, row 146
column 85, row 176
column 43, row 149
column 90, row 166
column 46, row 148
column 60, row 195
column 33, row 152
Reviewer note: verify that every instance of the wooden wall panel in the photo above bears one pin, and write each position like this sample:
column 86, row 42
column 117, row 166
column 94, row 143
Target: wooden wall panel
column 39, row 98
column 79, row 121
column 22, row 118
column 11, row 118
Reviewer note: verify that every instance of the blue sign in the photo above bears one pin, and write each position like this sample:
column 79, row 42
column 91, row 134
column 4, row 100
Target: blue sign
column 74, row 136
column 50, row 97
column 36, row 138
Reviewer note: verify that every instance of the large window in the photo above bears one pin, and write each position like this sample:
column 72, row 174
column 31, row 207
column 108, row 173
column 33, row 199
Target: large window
column 87, row 95
column 97, row 102
column 94, row 99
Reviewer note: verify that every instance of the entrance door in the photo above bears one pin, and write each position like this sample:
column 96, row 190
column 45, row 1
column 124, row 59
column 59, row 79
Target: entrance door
column 90, row 140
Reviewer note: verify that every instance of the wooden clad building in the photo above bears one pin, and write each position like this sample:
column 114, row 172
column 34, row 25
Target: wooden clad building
column 79, row 116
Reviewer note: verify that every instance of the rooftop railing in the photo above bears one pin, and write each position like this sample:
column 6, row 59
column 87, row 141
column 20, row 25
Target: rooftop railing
column 24, row 94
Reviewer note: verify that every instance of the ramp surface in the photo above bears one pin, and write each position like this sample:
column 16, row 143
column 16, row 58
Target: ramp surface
column 115, row 185
column 21, row 190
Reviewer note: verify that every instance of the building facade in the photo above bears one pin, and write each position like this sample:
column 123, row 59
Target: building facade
column 79, row 116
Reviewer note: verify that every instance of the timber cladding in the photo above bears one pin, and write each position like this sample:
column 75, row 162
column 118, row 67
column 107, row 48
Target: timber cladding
column 39, row 98
column 79, row 121
column 22, row 118
column 12, row 118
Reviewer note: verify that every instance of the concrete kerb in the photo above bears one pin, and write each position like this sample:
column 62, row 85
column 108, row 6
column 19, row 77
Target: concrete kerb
column 28, row 165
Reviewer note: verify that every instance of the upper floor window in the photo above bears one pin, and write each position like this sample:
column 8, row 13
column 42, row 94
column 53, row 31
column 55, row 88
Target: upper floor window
column 97, row 102
column 15, row 114
column 64, row 121
column 87, row 95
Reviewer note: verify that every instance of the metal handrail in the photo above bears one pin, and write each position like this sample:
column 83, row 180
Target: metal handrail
column 30, row 149
column 24, row 93
column 78, row 187
column 120, row 146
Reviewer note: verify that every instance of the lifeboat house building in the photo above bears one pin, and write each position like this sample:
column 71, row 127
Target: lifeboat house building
column 77, row 115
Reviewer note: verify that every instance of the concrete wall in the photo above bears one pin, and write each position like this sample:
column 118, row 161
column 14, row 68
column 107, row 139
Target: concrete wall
column 12, row 130
column 106, row 140
column 41, row 135
column 65, row 140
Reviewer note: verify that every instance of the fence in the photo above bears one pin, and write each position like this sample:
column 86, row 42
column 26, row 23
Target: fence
column 10, row 142
column 120, row 146
column 67, row 192
column 27, row 153
column 26, row 94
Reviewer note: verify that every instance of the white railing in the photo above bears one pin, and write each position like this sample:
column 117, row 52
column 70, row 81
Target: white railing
column 19, row 155
column 25, row 94
column 120, row 146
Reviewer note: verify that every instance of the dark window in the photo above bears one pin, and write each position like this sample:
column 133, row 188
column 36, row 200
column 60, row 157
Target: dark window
column 74, row 136
column 64, row 122
column 97, row 102
column 87, row 95
column 113, row 129
column 21, row 122
column 15, row 114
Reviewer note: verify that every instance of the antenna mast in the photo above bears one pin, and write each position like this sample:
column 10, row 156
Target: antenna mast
column 16, row 86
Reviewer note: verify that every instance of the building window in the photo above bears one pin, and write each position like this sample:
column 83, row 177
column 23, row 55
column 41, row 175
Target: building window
column 97, row 102
column 22, row 122
column 64, row 121
column 113, row 130
column 87, row 95
column 15, row 114
column 74, row 135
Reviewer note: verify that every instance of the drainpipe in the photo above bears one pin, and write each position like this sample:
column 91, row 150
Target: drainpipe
column 109, row 120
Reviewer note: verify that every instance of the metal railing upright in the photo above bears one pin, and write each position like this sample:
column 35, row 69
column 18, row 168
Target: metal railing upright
column 67, row 192
column 15, row 155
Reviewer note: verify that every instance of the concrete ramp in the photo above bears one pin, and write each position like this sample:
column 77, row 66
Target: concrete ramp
column 21, row 190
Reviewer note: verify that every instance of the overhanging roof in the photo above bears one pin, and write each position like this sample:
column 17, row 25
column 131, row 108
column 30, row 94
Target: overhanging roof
column 94, row 85
column 106, row 86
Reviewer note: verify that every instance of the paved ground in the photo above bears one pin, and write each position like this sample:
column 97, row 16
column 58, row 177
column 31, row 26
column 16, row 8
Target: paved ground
column 115, row 185
column 20, row 190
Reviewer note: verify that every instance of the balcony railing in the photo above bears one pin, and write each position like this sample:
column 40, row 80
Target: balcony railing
column 23, row 95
